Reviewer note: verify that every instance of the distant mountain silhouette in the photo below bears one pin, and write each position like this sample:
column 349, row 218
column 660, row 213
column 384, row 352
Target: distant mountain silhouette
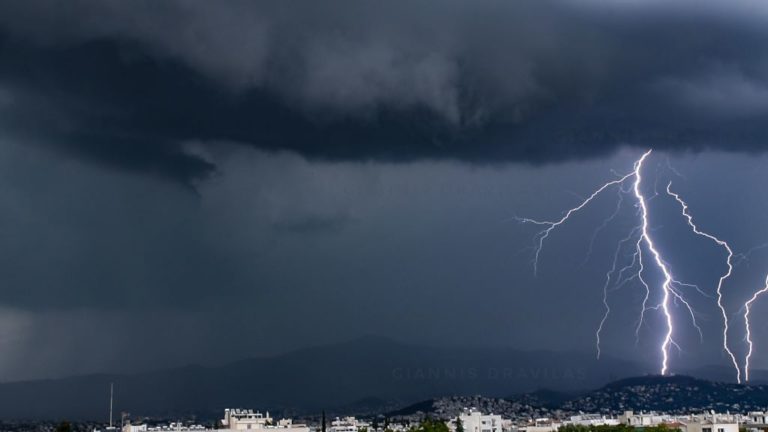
column 308, row 380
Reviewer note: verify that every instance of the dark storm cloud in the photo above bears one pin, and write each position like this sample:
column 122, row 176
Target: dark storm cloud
column 312, row 224
column 129, row 83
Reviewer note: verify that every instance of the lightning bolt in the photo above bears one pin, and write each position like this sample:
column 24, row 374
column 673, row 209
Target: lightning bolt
column 551, row 225
column 672, row 290
column 665, row 287
column 644, row 306
column 747, row 309
column 619, row 282
column 722, row 279
column 609, row 219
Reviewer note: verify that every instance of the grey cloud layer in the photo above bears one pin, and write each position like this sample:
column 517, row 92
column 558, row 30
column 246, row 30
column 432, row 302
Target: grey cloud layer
column 126, row 83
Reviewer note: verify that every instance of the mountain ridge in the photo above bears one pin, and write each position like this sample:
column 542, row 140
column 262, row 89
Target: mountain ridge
column 309, row 380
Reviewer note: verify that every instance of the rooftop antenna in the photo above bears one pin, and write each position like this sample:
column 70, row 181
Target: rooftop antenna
column 111, row 394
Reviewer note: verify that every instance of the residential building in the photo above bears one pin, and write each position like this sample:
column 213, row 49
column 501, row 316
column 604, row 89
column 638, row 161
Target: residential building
column 473, row 420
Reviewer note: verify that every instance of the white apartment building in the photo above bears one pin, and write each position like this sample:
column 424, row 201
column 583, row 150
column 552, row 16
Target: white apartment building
column 348, row 424
column 712, row 423
column 473, row 420
column 240, row 419
column 756, row 418
column 630, row 418
column 541, row 425
column 592, row 420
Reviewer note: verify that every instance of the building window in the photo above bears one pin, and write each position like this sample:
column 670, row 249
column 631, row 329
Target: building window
column 706, row 429
column 720, row 429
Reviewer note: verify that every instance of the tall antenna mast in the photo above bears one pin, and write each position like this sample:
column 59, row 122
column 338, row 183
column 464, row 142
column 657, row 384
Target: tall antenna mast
column 111, row 394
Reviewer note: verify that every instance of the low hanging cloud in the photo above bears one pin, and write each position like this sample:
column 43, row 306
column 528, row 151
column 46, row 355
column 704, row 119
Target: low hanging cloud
column 128, row 83
column 721, row 94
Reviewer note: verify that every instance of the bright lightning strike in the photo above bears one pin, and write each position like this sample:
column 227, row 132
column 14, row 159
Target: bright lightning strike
column 725, row 276
column 665, row 287
column 671, row 288
column 747, row 310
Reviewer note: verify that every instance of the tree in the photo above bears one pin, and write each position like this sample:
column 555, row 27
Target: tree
column 459, row 424
column 322, row 422
column 430, row 425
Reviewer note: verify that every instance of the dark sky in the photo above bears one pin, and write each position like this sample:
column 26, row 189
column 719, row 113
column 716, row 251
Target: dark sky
column 176, row 175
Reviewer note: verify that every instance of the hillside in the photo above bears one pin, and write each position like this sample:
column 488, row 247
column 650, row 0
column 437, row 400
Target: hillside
column 675, row 394
column 672, row 394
